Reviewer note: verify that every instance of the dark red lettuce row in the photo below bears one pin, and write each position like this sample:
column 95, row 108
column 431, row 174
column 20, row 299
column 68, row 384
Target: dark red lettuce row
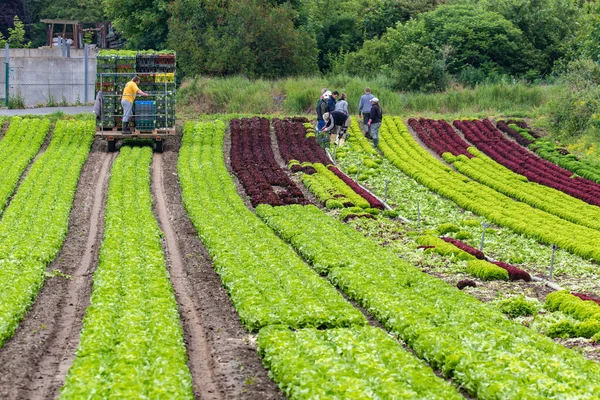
column 424, row 136
column 514, row 273
column 503, row 126
column 439, row 136
column 465, row 247
column 586, row 297
column 443, row 132
column 253, row 162
column 373, row 201
column 294, row 145
column 490, row 140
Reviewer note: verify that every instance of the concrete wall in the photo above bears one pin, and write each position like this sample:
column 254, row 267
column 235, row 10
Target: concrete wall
column 41, row 75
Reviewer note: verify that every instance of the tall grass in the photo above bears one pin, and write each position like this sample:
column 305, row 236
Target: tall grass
column 299, row 96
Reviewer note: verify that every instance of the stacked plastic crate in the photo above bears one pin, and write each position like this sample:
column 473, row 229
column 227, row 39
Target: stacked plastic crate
column 163, row 89
column 105, row 83
column 156, row 71
column 145, row 115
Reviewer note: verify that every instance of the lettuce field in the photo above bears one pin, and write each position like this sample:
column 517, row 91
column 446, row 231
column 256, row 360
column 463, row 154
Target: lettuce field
column 250, row 260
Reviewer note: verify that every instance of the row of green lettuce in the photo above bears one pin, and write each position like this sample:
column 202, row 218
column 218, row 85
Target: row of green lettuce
column 131, row 344
column 404, row 152
column 483, row 169
column 275, row 292
column 268, row 283
column 433, row 213
column 470, row 342
column 586, row 313
column 34, row 225
column 330, row 189
column 553, row 324
column 18, row 147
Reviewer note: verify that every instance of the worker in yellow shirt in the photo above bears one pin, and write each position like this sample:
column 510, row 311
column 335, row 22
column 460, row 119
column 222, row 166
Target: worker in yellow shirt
column 129, row 93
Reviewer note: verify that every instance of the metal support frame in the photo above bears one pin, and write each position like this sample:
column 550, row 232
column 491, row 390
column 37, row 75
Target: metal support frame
column 102, row 74
column 6, row 62
column 85, row 72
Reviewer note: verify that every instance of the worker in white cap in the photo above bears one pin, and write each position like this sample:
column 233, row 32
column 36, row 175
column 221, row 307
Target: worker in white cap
column 322, row 108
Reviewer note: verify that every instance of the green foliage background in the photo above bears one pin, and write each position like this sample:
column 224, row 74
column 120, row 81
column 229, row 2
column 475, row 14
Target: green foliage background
column 396, row 45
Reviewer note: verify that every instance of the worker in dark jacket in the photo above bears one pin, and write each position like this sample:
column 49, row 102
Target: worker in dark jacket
column 320, row 112
column 322, row 108
column 376, row 117
column 332, row 100
column 336, row 123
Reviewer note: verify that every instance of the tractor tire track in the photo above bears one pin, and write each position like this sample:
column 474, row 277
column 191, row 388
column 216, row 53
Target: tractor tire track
column 34, row 363
column 230, row 351
column 197, row 347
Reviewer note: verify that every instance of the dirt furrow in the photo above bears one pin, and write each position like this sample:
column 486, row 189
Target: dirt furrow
column 219, row 348
column 33, row 363
column 197, row 347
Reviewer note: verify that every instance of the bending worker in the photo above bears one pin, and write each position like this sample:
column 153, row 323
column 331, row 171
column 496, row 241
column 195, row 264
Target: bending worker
column 129, row 93
column 336, row 123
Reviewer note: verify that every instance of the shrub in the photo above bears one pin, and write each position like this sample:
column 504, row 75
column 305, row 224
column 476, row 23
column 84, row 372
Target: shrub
column 572, row 305
column 486, row 271
column 332, row 204
column 588, row 329
column 562, row 329
column 518, row 306
column 391, row 214
column 462, row 235
column 448, row 227
column 470, row 222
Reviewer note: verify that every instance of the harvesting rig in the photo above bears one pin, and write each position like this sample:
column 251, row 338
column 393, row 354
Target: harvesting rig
column 153, row 117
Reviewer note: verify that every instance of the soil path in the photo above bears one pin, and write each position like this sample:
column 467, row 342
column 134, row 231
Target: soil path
column 219, row 348
column 4, row 128
column 34, row 362
column 197, row 346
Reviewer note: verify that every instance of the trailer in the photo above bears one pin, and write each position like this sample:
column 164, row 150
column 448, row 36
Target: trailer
column 153, row 117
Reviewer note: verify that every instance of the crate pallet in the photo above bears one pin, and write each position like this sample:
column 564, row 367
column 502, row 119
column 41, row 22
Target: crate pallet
column 154, row 115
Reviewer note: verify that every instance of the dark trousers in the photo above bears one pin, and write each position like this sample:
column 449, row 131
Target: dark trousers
column 366, row 129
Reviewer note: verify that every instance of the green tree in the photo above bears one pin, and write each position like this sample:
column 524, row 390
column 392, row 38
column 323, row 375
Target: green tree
column 339, row 33
column 143, row 23
column 586, row 43
column 418, row 68
column 478, row 38
column 16, row 36
column 385, row 14
column 86, row 11
column 249, row 37
column 548, row 25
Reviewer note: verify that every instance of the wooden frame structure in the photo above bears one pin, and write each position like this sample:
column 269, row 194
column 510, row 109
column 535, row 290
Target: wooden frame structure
column 76, row 33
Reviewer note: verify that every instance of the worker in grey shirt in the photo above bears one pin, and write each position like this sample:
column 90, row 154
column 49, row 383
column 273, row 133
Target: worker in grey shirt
column 342, row 104
column 364, row 111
